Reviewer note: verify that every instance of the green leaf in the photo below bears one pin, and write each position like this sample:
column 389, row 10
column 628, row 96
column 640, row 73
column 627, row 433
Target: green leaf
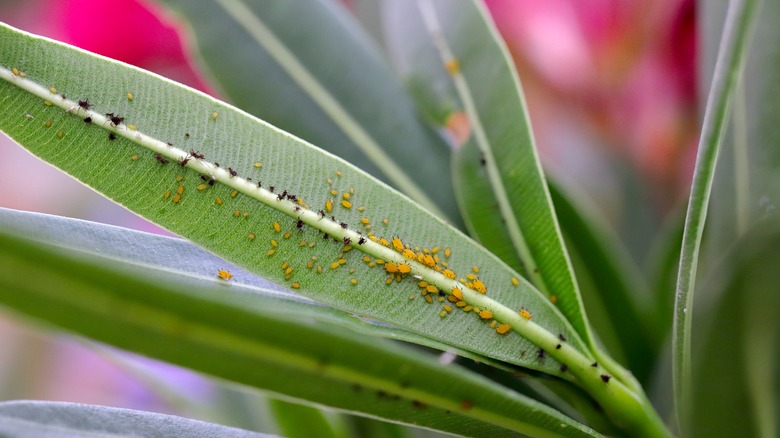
column 468, row 45
column 735, row 378
column 309, row 68
column 237, row 141
column 731, row 58
column 21, row 419
column 268, row 344
column 189, row 264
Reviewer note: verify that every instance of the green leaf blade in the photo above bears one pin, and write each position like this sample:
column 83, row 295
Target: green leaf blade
column 256, row 344
column 235, row 139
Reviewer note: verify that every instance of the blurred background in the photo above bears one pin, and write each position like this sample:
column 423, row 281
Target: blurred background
column 612, row 92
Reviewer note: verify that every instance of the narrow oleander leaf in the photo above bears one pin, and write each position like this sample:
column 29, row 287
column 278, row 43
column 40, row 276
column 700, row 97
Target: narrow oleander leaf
column 309, row 68
column 22, row 419
column 468, row 49
column 317, row 225
column 298, row 421
column 188, row 264
column 731, row 56
column 269, row 344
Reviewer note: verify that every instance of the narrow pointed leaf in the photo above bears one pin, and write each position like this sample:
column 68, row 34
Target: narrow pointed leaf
column 469, row 47
column 310, row 69
column 268, row 346
column 21, row 419
column 732, row 53
column 254, row 227
column 188, row 265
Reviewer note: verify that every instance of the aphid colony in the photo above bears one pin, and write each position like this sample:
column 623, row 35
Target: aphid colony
column 427, row 268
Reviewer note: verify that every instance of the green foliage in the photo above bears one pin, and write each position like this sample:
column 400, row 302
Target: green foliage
column 328, row 264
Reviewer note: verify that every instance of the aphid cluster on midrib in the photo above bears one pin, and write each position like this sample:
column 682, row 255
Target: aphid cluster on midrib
column 419, row 271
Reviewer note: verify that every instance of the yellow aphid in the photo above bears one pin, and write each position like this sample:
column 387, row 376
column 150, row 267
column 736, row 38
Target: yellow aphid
column 133, row 157
column 429, row 299
column 449, row 274
column 346, row 204
column 310, row 264
column 274, row 243
column 319, row 268
column 447, row 252
column 251, row 236
column 428, row 261
column 468, row 308
column 351, row 190
column 493, row 324
column 277, row 227
column 485, row 314
column 333, row 192
column 361, row 208
column 367, row 259
column 201, row 187
column 53, row 90
column 285, row 265
column 334, row 265
column 452, row 66
column 130, row 97
column 457, row 293
column 471, row 277
column 338, row 173
column 385, row 221
column 47, row 103
column 409, row 254
column 475, row 269
column 246, row 214
column 391, row 267
column 365, row 221
column 258, row 164
column 295, row 285
column 47, row 123
column 435, row 250
column 167, row 194
column 480, row 286
column 525, row 314
column 224, row 275
column 423, row 284
column 398, row 244
column 347, row 248
column 329, row 205
column 403, row 268
column 384, row 242
column 180, row 190
column 302, row 243
column 288, row 271
column 515, row 281
column 461, row 304
column 237, row 213
column 22, row 74
column 379, row 262
column 345, row 195
column 353, row 281
column 132, row 127
column 214, row 115
column 502, row 329
column 342, row 261
column 389, row 281
column 234, row 193
column 219, row 200
column 452, row 299
column 270, row 252
column 15, row 71
column 60, row 134
column 432, row 289
column 553, row 299
column 442, row 313
column 287, row 235
column 448, row 308
column 176, row 199
column 179, row 178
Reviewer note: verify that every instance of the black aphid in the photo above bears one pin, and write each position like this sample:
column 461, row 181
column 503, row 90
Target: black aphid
column 111, row 136
column 88, row 120
column 161, row 159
